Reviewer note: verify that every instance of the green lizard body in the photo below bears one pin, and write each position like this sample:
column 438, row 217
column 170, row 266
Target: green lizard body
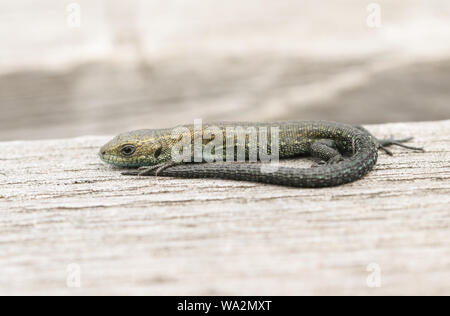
column 347, row 152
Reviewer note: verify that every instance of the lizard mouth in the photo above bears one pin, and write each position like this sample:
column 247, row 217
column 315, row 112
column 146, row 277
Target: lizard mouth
column 118, row 161
column 107, row 157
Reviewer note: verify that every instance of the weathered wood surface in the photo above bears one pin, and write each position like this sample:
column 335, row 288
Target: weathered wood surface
column 62, row 209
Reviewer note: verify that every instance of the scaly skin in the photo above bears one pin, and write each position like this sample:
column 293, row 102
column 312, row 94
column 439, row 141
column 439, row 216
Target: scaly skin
column 348, row 153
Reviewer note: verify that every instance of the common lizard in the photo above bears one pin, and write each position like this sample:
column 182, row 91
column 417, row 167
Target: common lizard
column 346, row 153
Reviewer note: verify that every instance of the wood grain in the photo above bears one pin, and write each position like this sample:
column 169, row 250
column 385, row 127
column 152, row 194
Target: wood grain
column 62, row 209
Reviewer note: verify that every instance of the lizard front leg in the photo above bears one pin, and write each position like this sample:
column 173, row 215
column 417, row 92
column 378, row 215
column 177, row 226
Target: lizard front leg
column 151, row 170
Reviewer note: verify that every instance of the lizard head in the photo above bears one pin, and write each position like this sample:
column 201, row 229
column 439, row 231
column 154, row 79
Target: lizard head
column 133, row 149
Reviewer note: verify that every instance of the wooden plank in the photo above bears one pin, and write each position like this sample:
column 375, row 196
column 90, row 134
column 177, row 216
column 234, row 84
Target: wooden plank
column 65, row 215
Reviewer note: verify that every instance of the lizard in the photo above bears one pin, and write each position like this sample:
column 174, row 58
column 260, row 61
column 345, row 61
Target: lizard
column 344, row 153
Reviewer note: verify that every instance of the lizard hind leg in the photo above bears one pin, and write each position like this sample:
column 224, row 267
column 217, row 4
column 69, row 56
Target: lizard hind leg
column 326, row 151
column 384, row 143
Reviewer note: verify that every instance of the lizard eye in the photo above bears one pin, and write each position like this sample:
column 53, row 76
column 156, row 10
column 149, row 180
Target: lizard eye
column 158, row 152
column 127, row 150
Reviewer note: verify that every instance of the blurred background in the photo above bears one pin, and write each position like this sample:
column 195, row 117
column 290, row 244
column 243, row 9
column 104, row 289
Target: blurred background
column 70, row 68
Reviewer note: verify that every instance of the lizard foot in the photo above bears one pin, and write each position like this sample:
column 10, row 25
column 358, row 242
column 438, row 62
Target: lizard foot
column 150, row 170
column 317, row 162
column 383, row 143
column 335, row 159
